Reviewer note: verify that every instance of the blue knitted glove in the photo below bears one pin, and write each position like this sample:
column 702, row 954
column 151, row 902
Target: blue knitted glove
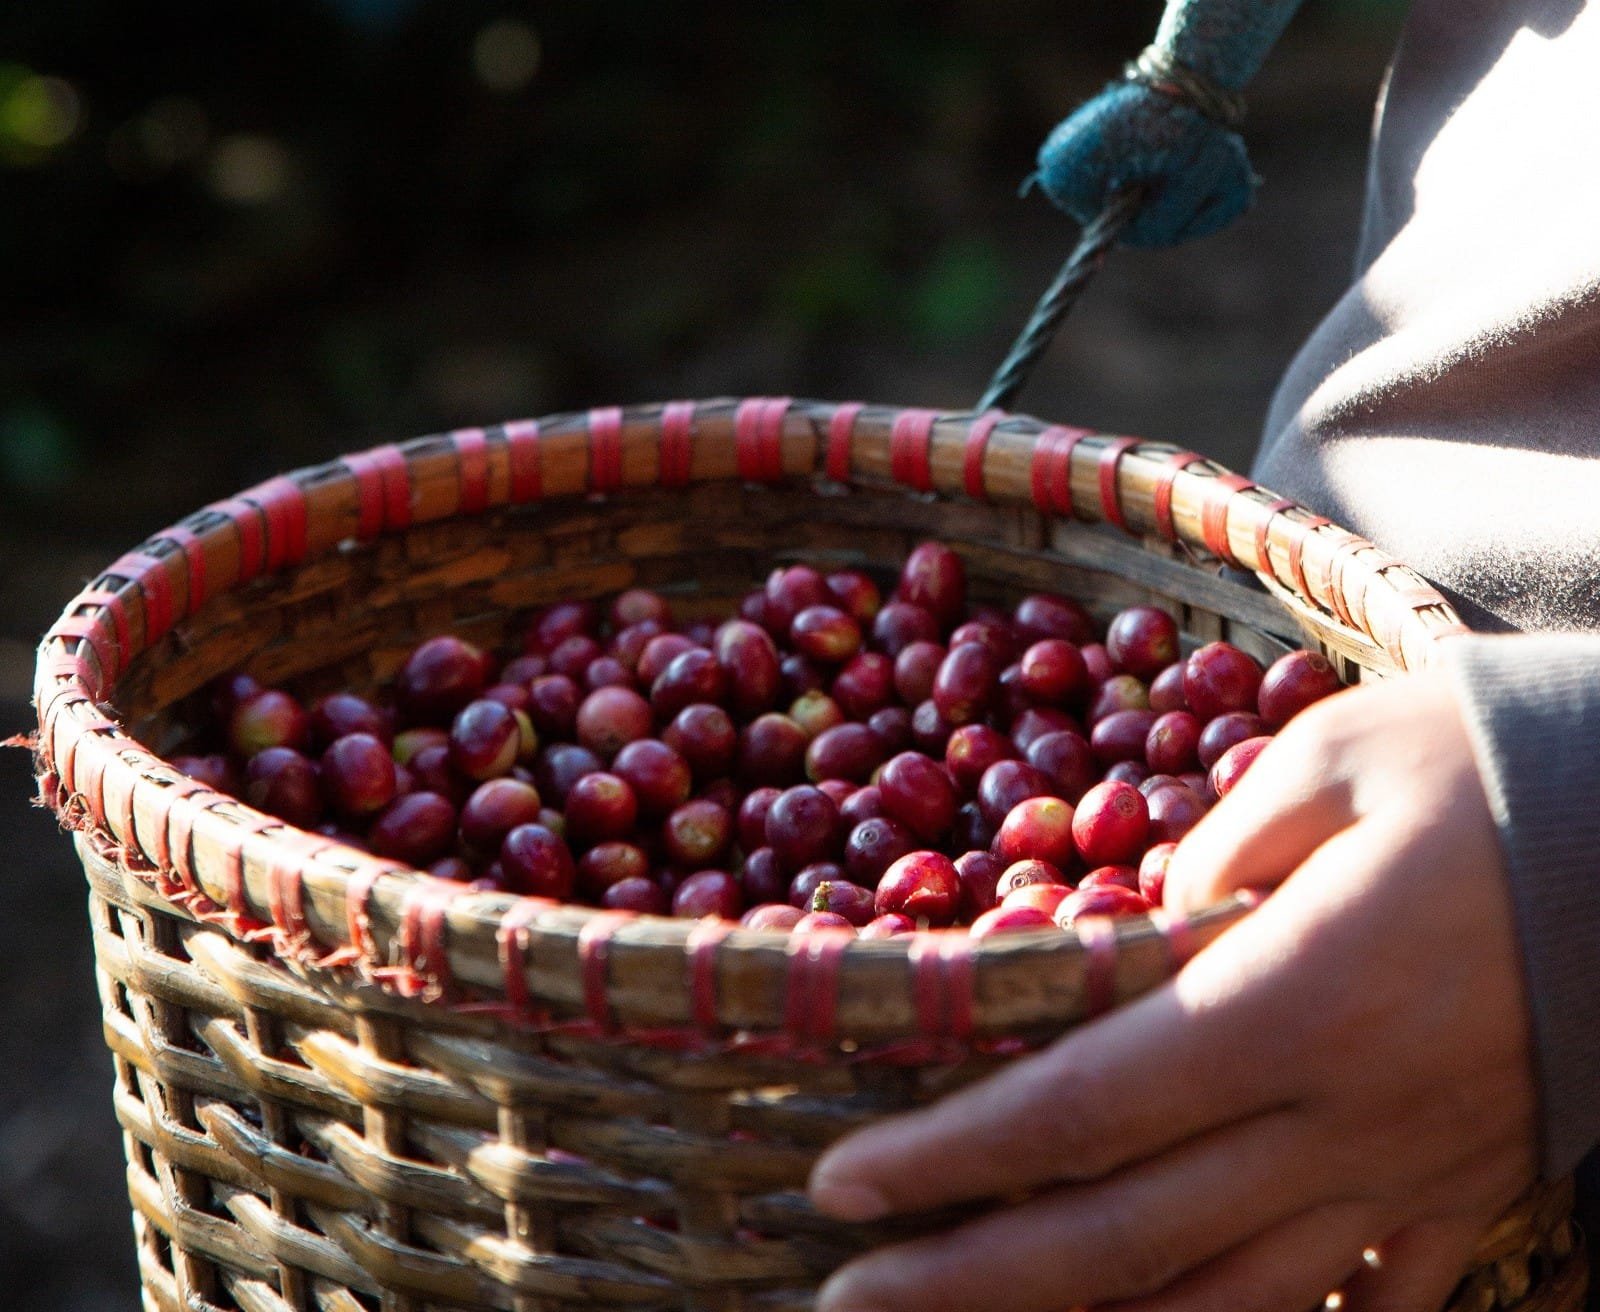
column 1194, row 167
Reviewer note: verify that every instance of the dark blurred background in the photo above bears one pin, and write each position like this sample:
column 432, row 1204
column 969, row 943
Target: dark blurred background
column 236, row 238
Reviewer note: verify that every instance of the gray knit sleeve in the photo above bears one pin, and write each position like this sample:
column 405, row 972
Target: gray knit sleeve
column 1532, row 705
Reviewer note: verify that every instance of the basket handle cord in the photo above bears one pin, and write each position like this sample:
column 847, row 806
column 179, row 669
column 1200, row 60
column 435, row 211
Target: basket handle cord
column 1153, row 160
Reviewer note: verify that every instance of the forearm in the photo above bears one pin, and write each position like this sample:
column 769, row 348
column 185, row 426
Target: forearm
column 1532, row 705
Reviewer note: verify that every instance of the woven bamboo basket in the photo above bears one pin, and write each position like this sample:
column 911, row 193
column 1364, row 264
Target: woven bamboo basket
column 345, row 1085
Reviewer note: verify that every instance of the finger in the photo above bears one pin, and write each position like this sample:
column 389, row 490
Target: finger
column 1289, row 802
column 1421, row 1263
column 1131, row 1234
column 1150, row 1075
column 1416, row 1269
column 1290, row 1268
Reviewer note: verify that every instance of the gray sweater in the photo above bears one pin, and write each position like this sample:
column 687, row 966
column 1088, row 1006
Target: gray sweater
column 1449, row 409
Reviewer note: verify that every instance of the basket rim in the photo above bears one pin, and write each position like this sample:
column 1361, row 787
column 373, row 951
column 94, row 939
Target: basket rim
column 324, row 907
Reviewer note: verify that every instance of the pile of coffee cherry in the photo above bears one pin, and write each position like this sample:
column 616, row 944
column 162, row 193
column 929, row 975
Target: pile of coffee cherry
column 823, row 758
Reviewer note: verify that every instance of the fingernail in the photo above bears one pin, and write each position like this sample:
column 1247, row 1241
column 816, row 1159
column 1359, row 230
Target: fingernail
column 848, row 1202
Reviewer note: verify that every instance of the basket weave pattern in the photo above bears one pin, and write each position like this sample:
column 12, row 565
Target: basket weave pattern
column 346, row 1085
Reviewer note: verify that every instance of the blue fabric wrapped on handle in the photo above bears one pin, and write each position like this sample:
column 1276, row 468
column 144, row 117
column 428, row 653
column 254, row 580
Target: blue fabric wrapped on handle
column 1192, row 164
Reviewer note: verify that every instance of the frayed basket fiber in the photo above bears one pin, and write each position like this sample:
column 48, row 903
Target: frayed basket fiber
column 344, row 1085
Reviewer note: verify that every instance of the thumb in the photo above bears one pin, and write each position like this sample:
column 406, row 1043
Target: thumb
column 1292, row 800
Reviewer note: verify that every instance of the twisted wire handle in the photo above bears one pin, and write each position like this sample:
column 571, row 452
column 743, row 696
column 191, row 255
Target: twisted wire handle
column 1094, row 244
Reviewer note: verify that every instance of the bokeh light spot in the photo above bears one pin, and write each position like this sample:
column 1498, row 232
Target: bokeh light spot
column 171, row 131
column 248, row 169
column 961, row 292
column 40, row 113
column 505, row 55
column 37, row 452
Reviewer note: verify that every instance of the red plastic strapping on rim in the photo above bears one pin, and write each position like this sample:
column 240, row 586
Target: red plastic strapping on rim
column 1178, row 934
column 1335, row 581
column 113, row 605
column 179, row 841
column 960, row 980
column 50, row 731
column 1342, row 556
column 677, row 424
column 129, row 832
column 188, row 543
column 155, row 590
column 1051, row 468
column 522, row 448
column 942, row 984
column 1414, row 599
column 239, row 832
column 605, row 449
column 758, row 438
column 594, row 960
column 841, row 432
column 286, row 899
column 248, row 519
column 234, row 900
column 1161, row 506
column 1099, row 939
column 358, row 913
column 701, row 949
column 85, row 628
column 383, row 489
column 973, row 453
column 1110, row 495
column 1040, row 465
column 1039, row 472
column 65, row 753
column 1264, row 530
column 283, row 503
column 1214, row 514
column 396, row 485
column 1061, row 470
column 161, row 840
column 87, row 778
column 149, row 574
column 811, row 986
column 368, row 474
column 769, row 433
column 1297, row 547
column 110, row 745
column 472, row 463
column 910, row 446
column 746, row 449
column 511, row 935
column 66, row 756
column 423, row 925
column 73, row 677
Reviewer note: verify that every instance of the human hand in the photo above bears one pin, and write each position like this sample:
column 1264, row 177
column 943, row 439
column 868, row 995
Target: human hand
column 1347, row 1068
